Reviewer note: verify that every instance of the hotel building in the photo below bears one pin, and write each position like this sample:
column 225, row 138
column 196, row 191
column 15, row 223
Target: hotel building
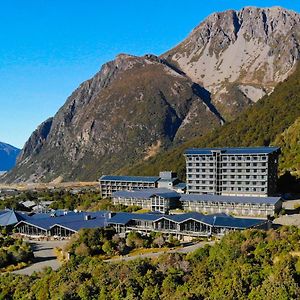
column 232, row 171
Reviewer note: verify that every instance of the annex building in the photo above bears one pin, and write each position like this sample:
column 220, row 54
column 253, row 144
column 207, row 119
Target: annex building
column 232, row 171
column 60, row 223
column 64, row 224
column 236, row 205
column 184, row 225
column 112, row 183
column 164, row 200
column 156, row 199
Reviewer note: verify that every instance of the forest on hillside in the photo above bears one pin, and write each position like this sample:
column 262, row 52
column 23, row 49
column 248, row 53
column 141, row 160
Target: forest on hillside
column 252, row 264
column 271, row 121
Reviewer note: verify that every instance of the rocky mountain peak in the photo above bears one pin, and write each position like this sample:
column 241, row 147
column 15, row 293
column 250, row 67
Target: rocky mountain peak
column 135, row 106
column 239, row 56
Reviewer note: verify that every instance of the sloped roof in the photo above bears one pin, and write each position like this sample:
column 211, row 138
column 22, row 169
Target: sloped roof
column 124, row 217
column 214, row 220
column 72, row 220
column 11, row 217
column 241, row 150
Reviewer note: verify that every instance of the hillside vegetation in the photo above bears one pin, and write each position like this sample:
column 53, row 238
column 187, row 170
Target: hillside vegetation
column 262, row 124
column 251, row 265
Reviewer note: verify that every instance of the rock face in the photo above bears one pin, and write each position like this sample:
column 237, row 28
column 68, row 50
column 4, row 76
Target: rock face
column 131, row 109
column 239, row 56
column 137, row 106
column 8, row 156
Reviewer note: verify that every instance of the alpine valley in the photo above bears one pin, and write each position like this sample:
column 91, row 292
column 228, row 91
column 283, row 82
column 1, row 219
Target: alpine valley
column 233, row 81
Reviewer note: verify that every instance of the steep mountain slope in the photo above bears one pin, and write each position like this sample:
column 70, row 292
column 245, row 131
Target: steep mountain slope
column 136, row 107
column 289, row 141
column 8, row 156
column 131, row 109
column 239, row 56
column 261, row 124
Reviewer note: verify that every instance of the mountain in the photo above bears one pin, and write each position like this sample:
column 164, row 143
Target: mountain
column 131, row 109
column 8, row 156
column 289, row 141
column 239, row 56
column 274, row 120
column 137, row 107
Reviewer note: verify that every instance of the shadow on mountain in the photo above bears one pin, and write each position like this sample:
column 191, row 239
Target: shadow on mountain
column 206, row 97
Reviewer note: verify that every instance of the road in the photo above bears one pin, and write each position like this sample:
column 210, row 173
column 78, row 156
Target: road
column 186, row 249
column 43, row 256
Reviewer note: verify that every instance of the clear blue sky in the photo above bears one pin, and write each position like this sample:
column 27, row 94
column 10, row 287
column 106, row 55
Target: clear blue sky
column 48, row 47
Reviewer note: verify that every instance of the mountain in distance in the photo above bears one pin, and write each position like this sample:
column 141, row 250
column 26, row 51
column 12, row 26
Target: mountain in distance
column 8, row 156
column 138, row 107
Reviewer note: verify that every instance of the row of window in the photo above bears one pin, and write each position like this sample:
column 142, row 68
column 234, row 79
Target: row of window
column 228, row 158
column 224, row 182
column 190, row 170
column 236, row 177
column 249, row 164
column 240, row 189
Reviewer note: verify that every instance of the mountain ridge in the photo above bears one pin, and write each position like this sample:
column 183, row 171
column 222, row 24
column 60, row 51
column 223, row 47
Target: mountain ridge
column 136, row 107
column 271, row 121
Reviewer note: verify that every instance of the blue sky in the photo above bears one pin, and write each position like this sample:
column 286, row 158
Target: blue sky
column 48, row 47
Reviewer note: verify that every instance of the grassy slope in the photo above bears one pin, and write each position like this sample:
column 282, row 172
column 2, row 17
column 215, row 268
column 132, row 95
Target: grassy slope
column 259, row 125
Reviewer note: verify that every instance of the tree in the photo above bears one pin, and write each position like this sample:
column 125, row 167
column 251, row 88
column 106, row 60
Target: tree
column 83, row 250
column 107, row 247
column 159, row 241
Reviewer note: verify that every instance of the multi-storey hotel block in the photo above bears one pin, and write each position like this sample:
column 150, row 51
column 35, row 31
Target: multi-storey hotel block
column 236, row 205
column 157, row 200
column 112, row 183
column 232, row 171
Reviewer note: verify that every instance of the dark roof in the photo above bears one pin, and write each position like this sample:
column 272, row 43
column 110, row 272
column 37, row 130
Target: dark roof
column 150, row 179
column 180, row 185
column 244, row 150
column 147, row 193
column 71, row 220
column 79, row 224
column 216, row 220
column 229, row 199
column 124, row 217
column 11, row 217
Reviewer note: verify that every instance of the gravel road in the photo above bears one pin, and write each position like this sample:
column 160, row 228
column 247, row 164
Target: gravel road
column 43, row 256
